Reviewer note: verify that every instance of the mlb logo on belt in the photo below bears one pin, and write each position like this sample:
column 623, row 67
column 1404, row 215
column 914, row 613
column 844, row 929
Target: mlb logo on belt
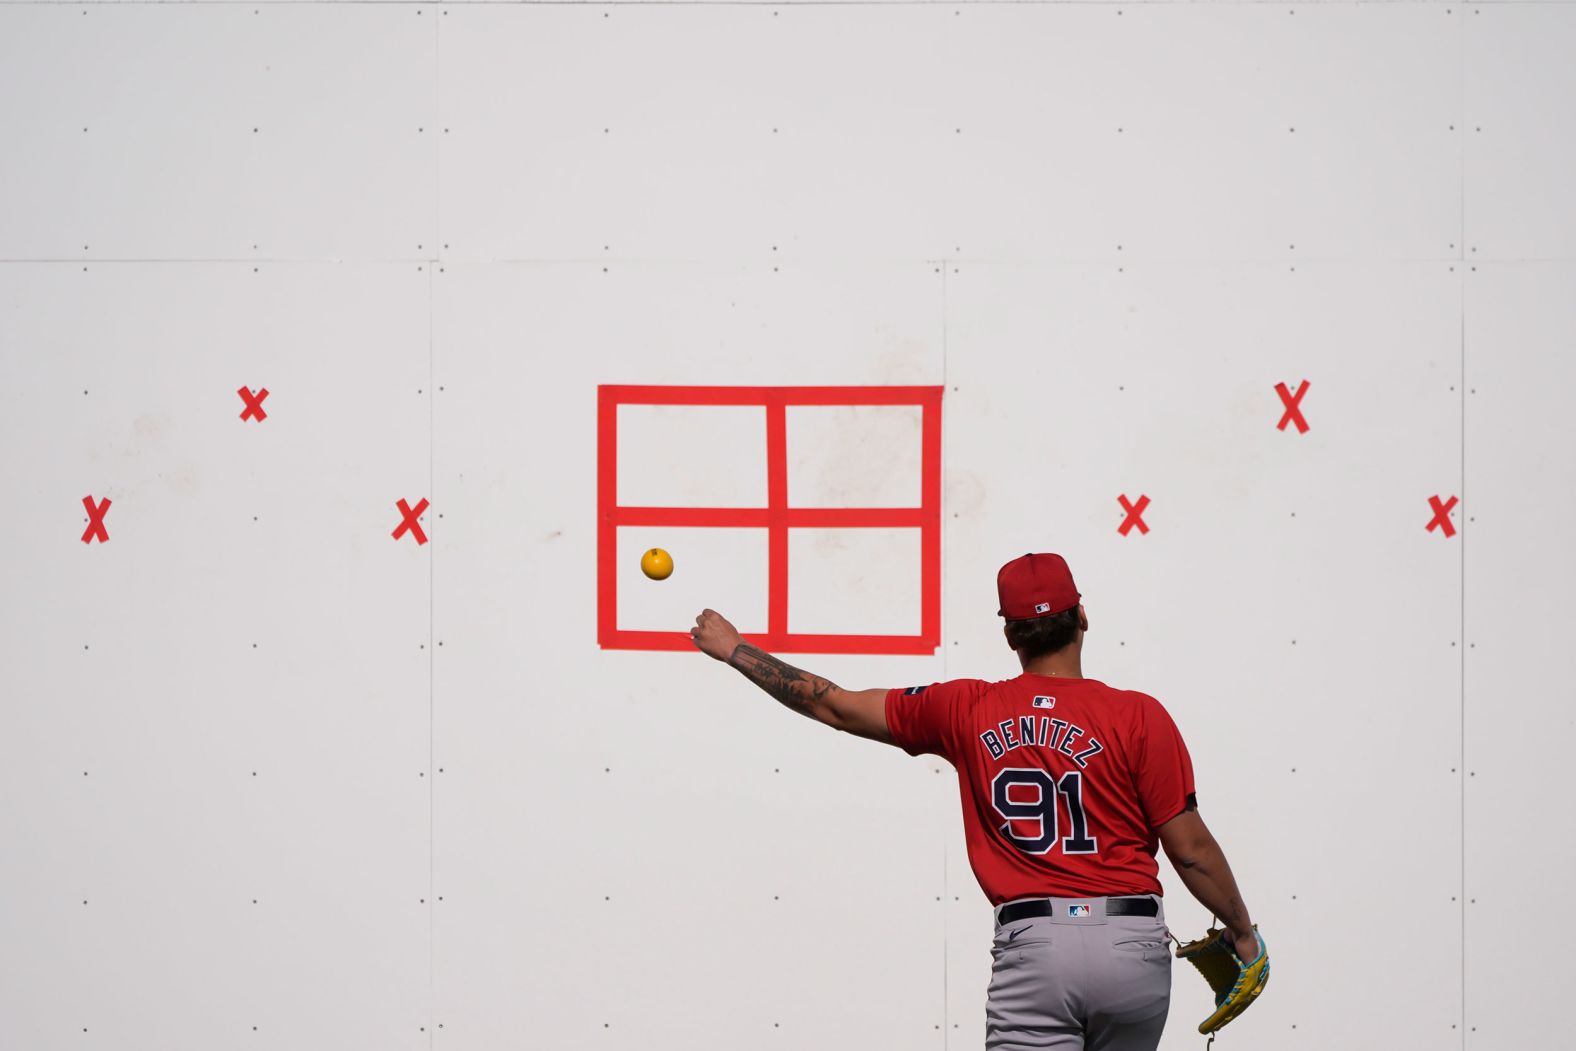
column 1045, row 702
column 1077, row 910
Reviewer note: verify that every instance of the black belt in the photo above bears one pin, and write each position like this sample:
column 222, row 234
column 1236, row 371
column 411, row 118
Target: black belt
column 1022, row 910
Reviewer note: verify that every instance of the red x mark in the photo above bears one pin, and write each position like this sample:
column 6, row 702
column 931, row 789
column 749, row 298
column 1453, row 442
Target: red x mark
column 95, row 520
column 410, row 521
column 1292, row 414
column 1135, row 514
column 1442, row 515
column 254, row 406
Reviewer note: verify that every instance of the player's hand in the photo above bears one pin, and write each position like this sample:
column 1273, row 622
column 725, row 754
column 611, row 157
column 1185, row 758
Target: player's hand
column 714, row 636
column 1247, row 946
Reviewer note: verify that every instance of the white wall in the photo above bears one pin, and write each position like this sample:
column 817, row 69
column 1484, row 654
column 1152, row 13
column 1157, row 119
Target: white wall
column 272, row 779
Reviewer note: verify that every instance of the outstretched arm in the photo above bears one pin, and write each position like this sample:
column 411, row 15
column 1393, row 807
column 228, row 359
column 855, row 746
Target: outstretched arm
column 859, row 712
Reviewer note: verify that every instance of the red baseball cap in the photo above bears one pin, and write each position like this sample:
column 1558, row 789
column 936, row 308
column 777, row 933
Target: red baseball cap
column 1035, row 586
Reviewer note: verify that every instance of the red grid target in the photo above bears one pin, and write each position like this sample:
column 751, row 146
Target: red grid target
column 777, row 517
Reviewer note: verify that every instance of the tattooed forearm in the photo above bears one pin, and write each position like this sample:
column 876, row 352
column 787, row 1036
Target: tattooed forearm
column 796, row 689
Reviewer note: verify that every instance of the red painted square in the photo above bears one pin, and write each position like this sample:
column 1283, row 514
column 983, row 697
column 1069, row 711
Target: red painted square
column 778, row 518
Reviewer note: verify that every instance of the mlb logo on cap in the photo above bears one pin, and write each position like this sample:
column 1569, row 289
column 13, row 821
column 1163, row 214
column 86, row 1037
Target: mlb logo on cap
column 1042, row 607
column 1045, row 702
column 1077, row 910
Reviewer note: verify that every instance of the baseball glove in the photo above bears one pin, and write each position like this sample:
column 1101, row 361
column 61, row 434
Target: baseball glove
column 1236, row 982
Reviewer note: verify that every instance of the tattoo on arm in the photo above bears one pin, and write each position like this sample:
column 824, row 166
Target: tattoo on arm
column 795, row 689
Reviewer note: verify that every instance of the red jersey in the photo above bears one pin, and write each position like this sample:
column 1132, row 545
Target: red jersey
column 1064, row 781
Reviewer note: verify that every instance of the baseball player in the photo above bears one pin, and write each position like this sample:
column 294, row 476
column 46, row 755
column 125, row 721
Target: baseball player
column 1068, row 788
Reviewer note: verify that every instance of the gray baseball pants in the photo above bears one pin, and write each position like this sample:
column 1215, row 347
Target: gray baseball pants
column 1079, row 980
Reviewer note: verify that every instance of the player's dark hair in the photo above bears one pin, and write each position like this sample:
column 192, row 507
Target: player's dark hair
column 1043, row 635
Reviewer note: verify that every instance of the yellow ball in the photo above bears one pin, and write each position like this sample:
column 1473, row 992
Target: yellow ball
column 657, row 564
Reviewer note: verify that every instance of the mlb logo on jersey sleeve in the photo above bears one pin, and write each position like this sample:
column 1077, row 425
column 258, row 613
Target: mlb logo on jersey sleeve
column 915, row 691
column 1077, row 910
column 1045, row 702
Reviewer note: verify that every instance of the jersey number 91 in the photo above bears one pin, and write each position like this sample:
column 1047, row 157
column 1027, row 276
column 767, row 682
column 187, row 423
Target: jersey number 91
column 1042, row 813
